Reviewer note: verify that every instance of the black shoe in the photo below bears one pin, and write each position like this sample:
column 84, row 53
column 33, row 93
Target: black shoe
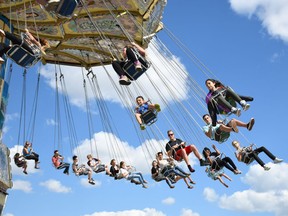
column 204, row 163
column 92, row 182
column 191, row 169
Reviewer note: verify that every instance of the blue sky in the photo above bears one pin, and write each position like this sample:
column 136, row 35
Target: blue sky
column 243, row 43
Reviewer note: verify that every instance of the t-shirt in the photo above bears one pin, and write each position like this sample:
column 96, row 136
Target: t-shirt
column 206, row 129
column 172, row 143
column 124, row 173
column 143, row 108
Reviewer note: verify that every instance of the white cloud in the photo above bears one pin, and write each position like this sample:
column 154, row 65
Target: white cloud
column 188, row 212
column 22, row 185
column 169, row 201
column 55, row 186
column 268, row 191
column 210, row 194
column 132, row 212
column 272, row 14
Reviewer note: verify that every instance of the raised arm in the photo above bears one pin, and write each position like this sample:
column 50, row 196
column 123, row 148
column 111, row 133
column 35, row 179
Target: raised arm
column 140, row 49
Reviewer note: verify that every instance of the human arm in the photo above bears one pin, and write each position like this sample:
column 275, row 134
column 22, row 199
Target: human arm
column 216, row 150
column 32, row 38
column 139, row 48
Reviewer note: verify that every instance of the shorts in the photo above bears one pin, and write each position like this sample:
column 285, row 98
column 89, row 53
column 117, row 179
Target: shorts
column 178, row 155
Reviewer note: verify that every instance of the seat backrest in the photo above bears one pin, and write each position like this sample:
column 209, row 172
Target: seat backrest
column 21, row 56
column 149, row 117
column 66, row 8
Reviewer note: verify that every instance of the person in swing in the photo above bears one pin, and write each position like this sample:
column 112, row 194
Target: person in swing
column 128, row 54
column 244, row 154
column 142, row 107
column 42, row 44
column 221, row 131
column 58, row 162
column 217, row 98
column 29, row 154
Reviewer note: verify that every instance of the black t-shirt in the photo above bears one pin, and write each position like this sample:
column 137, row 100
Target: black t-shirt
column 154, row 170
column 172, row 143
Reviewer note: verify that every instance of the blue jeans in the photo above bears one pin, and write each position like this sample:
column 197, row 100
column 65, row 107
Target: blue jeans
column 136, row 175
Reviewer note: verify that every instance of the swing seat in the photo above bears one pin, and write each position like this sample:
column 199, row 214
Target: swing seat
column 130, row 70
column 149, row 117
column 224, row 136
column 21, row 56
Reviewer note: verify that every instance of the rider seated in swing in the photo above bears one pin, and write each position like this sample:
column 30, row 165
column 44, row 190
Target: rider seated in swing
column 129, row 55
column 82, row 170
column 248, row 154
column 177, row 149
column 221, row 131
column 29, row 154
column 217, row 162
column 96, row 165
column 217, row 175
column 217, row 99
column 42, row 44
column 169, row 169
column 20, row 162
column 143, row 107
column 58, row 162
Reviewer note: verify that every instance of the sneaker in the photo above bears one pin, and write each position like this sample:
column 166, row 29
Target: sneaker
column 250, row 124
column 142, row 127
column 266, row 168
column 190, row 187
column 124, row 80
column 157, row 107
column 192, row 182
column 277, row 160
column 138, row 66
column 191, row 169
column 236, row 111
column 236, row 172
column 171, row 186
column 244, row 105
column 234, row 127
column 145, row 186
column 25, row 172
column 1, row 60
column 204, row 163
column 92, row 182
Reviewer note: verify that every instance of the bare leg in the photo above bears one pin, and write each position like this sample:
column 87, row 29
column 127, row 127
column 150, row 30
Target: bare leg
column 222, row 182
column 138, row 118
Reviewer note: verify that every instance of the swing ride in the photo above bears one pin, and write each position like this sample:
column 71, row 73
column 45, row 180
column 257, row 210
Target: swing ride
column 92, row 33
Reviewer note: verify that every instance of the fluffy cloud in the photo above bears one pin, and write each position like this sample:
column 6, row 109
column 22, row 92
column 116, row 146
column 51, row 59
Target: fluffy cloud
column 55, row 186
column 22, row 185
column 133, row 212
column 188, row 212
column 169, row 201
column 272, row 14
column 268, row 191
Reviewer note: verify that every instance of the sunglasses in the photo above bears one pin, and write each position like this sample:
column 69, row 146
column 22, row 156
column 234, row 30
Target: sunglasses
column 170, row 134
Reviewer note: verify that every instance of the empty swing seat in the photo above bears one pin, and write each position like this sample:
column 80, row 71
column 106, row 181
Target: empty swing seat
column 130, row 70
column 149, row 117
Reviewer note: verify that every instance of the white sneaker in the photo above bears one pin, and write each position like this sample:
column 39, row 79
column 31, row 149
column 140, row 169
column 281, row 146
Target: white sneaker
column 266, row 168
column 124, row 80
column 138, row 66
column 236, row 111
column 244, row 105
column 277, row 160
column 1, row 60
